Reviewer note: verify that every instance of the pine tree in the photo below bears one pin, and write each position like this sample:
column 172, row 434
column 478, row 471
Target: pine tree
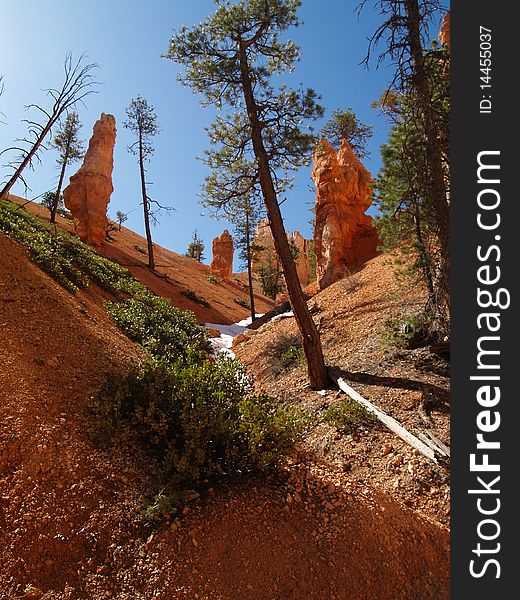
column 70, row 149
column 196, row 248
column 142, row 121
column 344, row 125
column 421, row 81
column 121, row 217
column 408, row 214
column 231, row 59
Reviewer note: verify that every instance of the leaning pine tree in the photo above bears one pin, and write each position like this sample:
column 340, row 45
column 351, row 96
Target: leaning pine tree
column 231, row 58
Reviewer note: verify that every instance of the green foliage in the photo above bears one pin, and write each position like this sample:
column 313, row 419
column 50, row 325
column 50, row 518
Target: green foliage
column 140, row 249
column 292, row 356
column 48, row 200
column 344, row 125
column 121, row 217
column 164, row 331
column 141, row 120
column 64, row 257
column 199, row 420
column 196, row 248
column 242, row 302
column 195, row 417
column 270, row 279
column 285, row 353
column 409, row 219
column 211, row 55
column 193, row 296
column 411, row 332
column 150, row 320
column 67, row 142
column 213, row 279
column 349, row 416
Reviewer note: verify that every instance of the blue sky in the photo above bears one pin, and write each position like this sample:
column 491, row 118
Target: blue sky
column 126, row 38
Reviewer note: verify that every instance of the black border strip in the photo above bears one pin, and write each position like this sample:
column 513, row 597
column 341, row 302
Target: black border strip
column 473, row 132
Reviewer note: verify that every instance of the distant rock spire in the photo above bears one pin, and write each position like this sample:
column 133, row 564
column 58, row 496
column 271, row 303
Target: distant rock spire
column 222, row 255
column 88, row 193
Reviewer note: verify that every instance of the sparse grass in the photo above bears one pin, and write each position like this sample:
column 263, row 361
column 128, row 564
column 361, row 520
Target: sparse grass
column 195, row 298
column 351, row 282
column 214, row 279
column 405, row 332
column 242, row 302
column 286, row 353
column 349, row 416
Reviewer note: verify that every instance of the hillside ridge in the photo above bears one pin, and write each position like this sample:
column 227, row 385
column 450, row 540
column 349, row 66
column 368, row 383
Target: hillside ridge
column 173, row 275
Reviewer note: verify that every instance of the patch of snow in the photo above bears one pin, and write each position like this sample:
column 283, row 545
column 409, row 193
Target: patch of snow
column 284, row 315
column 223, row 343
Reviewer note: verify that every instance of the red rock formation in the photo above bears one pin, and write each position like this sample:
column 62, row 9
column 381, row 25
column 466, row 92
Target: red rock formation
column 343, row 236
column 88, row 192
column 263, row 239
column 444, row 33
column 303, row 260
column 222, row 255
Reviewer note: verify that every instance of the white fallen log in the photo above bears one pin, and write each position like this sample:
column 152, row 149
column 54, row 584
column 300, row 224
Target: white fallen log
column 389, row 421
column 435, row 443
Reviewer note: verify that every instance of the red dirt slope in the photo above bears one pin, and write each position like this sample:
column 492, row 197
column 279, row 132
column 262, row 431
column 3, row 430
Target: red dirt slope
column 174, row 274
column 70, row 526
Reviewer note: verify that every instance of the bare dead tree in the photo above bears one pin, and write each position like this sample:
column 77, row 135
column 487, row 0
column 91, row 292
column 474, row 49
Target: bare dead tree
column 77, row 85
column 2, row 88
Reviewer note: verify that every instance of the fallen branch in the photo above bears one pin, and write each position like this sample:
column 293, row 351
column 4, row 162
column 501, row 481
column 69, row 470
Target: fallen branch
column 426, row 447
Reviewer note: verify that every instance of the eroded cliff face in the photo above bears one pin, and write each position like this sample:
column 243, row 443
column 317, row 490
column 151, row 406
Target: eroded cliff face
column 88, row 193
column 444, row 33
column 344, row 236
column 222, row 255
column 303, row 259
column 267, row 254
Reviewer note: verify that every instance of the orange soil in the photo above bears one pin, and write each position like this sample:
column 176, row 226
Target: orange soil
column 174, row 274
column 70, row 525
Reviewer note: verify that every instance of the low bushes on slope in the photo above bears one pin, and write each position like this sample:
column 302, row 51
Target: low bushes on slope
column 195, row 416
column 199, row 420
column 63, row 256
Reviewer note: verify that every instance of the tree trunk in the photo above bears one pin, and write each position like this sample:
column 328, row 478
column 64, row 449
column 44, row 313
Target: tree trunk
column 151, row 261
column 433, row 156
column 58, row 191
column 318, row 377
column 7, row 187
column 426, row 262
column 249, row 269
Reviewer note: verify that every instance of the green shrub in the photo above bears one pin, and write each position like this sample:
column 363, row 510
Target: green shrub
column 64, row 257
column 213, row 279
column 199, row 420
column 348, row 416
column 193, row 296
column 140, row 249
column 292, row 355
column 410, row 333
column 164, row 331
column 196, row 417
column 284, row 353
column 242, row 302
